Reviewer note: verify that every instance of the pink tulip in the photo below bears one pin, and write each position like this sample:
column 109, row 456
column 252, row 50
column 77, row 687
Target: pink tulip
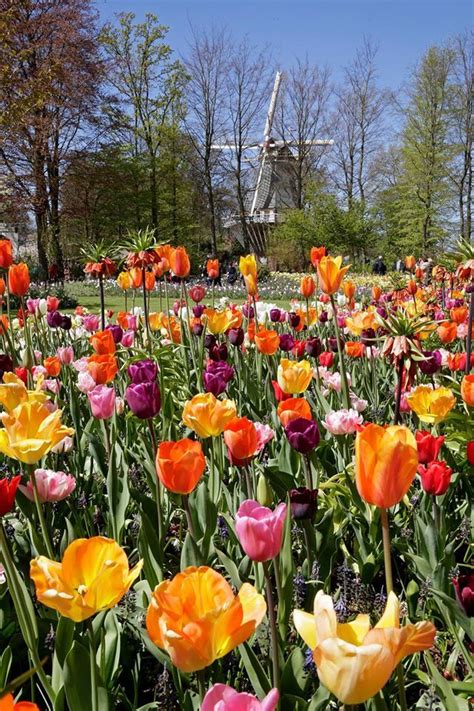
column 342, row 422
column 221, row 697
column 127, row 339
column 102, row 402
column 64, row 446
column 264, row 435
column 91, row 322
column 32, row 306
column 65, row 354
column 85, row 382
column 51, row 384
column 260, row 530
column 52, row 303
column 51, row 486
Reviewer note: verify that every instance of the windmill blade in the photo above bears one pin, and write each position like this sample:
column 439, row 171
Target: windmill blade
column 314, row 142
column 272, row 107
column 259, row 181
column 232, row 146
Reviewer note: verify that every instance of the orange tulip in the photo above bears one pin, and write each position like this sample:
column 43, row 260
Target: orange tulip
column 458, row 314
column 196, row 617
column 7, row 703
column 103, row 342
column 212, row 268
column 307, row 286
column 410, row 262
column 376, row 293
column 447, row 331
column 251, row 331
column 2, row 286
column 6, row 254
column 267, row 341
column 354, row 349
column 240, row 436
column 124, row 281
column 386, row 463
column 180, row 465
column 467, row 390
column 136, row 276
column 349, row 289
column 412, row 287
column 103, row 368
column 19, row 279
column 293, row 408
column 331, row 274
column 179, row 262
column 316, row 254
column 52, row 365
column 150, row 281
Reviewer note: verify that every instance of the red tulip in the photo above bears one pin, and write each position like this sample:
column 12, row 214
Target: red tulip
column 428, row 446
column 435, row 478
column 8, row 489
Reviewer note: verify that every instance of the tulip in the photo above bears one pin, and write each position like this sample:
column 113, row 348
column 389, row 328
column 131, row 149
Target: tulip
column 431, row 404
column 307, row 286
column 180, row 465
column 303, row 502
column 102, row 368
column 6, row 254
column 248, row 266
column 265, row 434
column 196, row 618
column 326, row 359
column 331, row 274
column 93, row 576
column 467, row 390
column 179, row 262
column 51, row 486
column 19, row 279
column 52, row 366
column 354, row 349
column 447, row 331
column 7, row 703
column 197, row 293
column 218, row 352
column 349, row 289
column 251, row 285
column 116, row 331
column 13, row 392
column 410, row 262
column 431, row 364
column 214, row 383
column 224, row 698
column 267, row 342
column 293, row 319
column 303, row 434
column 354, row 661
column 30, row 431
column 464, row 588
column 240, row 436
column 144, row 399
column 65, row 354
column 142, row 371
column 343, row 422
column 386, row 463
column 294, row 376
column 212, row 268
column 275, row 315
column 260, row 530
column 8, row 489
column 221, row 368
column 91, row 322
column 428, row 446
column 287, row 342
column 102, row 402
column 207, row 416
column 124, row 281
column 103, row 342
column 435, row 478
column 313, row 347
column 316, row 254
column 293, row 408
column 470, row 453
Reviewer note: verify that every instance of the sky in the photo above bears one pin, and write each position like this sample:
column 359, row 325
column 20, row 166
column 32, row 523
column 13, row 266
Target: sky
column 326, row 31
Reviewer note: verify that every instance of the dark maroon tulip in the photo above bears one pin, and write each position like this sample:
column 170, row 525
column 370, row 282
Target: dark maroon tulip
column 303, row 502
column 381, row 311
column 368, row 337
column 286, row 342
column 209, row 341
column 236, row 336
column 332, row 341
column 303, row 435
column 323, row 317
column 6, row 364
column 65, row 322
column 432, row 364
column 54, row 319
column 294, row 319
column 142, row 371
column 117, row 333
column 218, row 352
column 198, row 310
column 248, row 311
column 464, row 587
column 313, row 347
column 275, row 315
column 143, row 399
column 213, row 383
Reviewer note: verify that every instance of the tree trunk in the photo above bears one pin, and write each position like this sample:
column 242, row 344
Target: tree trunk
column 41, row 238
column 154, row 193
column 212, row 208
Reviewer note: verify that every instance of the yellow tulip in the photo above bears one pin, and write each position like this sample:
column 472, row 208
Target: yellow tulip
column 94, row 575
column 196, row 617
column 31, row 431
column 361, row 321
column 294, row 376
column 331, row 274
column 354, row 661
column 207, row 415
column 13, row 392
column 248, row 266
column 219, row 321
column 431, row 404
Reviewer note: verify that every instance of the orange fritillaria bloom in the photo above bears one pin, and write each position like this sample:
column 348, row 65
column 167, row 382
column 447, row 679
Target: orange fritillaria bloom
column 293, row 408
column 331, row 274
column 180, row 263
column 103, row 342
column 386, row 463
column 19, row 279
column 467, row 390
column 102, row 368
column 267, row 341
column 180, row 465
column 196, row 618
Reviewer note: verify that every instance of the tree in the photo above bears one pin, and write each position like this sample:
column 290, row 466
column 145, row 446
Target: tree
column 50, row 72
column 148, row 83
column 206, row 65
column 424, row 190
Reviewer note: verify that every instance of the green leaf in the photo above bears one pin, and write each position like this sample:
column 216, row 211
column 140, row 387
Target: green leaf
column 77, row 679
column 63, row 642
column 294, row 679
column 258, row 678
column 118, row 492
column 5, row 664
column 443, row 688
column 285, row 565
column 108, row 653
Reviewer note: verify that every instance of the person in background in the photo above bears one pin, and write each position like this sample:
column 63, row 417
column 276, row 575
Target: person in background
column 379, row 266
column 399, row 266
column 232, row 273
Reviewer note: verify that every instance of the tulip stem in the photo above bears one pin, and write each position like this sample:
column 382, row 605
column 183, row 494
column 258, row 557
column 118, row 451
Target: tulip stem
column 102, row 302
column 93, row 668
column 396, row 416
column 159, row 514
column 39, row 511
column 340, row 352
column 273, row 626
column 189, row 518
column 145, row 310
column 307, row 471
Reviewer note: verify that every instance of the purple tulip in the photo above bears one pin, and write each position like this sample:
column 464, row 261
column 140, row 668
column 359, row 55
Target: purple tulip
column 432, row 364
column 236, row 336
column 142, row 371
column 143, row 399
column 209, row 341
column 275, row 315
column 332, row 342
column 303, row 435
column 323, row 317
column 213, row 383
column 198, row 310
column 294, row 319
column 220, row 368
column 303, row 502
column 117, row 333
column 54, row 319
column 313, row 347
column 286, row 342
column 368, row 337
column 65, row 322
column 248, row 311
column 218, row 352
column 197, row 329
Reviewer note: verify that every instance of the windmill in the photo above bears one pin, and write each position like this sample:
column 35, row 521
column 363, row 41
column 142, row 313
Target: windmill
column 273, row 191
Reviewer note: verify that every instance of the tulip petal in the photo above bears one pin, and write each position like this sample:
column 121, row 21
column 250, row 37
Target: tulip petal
column 306, row 627
column 355, row 631
column 391, row 615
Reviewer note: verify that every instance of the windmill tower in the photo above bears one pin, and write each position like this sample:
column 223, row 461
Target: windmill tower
column 274, row 190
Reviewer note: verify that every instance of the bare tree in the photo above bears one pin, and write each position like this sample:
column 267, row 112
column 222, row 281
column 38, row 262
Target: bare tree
column 358, row 120
column 461, row 110
column 302, row 120
column 206, row 65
